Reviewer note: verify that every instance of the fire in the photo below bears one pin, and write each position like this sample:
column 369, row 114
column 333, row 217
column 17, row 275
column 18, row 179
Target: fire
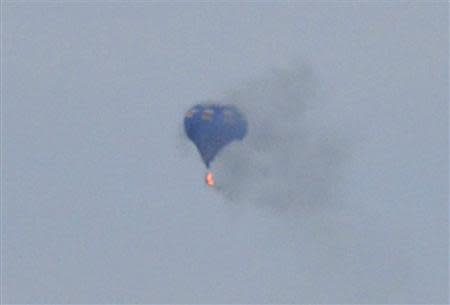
column 209, row 179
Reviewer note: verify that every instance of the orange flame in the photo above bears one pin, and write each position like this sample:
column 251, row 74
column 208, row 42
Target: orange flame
column 209, row 179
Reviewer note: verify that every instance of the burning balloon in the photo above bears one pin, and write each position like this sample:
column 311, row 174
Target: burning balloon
column 211, row 127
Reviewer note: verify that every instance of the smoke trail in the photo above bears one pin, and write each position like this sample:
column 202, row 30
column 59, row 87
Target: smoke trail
column 290, row 156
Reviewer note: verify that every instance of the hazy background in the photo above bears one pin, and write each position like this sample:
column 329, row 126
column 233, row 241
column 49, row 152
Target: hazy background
column 339, row 194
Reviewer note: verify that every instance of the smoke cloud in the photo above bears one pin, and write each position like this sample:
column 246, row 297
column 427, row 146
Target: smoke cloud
column 291, row 155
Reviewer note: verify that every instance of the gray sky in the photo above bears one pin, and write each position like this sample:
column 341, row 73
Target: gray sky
column 339, row 194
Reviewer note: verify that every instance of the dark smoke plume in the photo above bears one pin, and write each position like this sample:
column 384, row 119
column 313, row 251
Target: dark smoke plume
column 291, row 156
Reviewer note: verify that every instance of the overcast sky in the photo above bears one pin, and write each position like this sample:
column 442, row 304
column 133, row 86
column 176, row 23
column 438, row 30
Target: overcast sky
column 339, row 194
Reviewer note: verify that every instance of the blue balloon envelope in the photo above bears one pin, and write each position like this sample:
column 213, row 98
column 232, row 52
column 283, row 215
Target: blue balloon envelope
column 211, row 127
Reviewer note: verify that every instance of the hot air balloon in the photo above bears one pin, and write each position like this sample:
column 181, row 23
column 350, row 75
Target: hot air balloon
column 211, row 127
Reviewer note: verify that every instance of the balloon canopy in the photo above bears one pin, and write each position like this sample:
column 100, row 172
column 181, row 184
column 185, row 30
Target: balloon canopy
column 211, row 127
